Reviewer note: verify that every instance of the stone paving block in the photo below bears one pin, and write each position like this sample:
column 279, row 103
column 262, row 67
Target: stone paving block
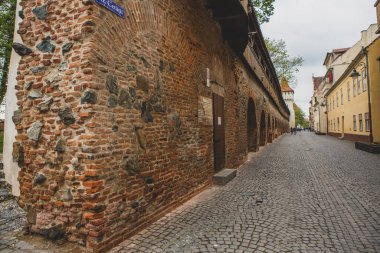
column 323, row 200
column 224, row 176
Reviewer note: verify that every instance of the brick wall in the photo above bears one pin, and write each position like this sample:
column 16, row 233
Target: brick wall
column 109, row 130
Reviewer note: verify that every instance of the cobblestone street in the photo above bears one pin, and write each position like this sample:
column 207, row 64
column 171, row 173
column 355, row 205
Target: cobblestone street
column 303, row 193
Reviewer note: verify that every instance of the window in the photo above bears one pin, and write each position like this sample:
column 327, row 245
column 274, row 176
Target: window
column 337, row 100
column 361, row 122
column 354, row 122
column 354, row 87
column 341, row 96
column 364, row 79
column 348, row 92
column 367, row 126
column 359, row 82
column 337, row 120
column 333, row 103
column 334, row 125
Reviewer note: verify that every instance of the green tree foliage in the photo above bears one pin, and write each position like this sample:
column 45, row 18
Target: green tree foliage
column 7, row 20
column 300, row 117
column 264, row 9
column 286, row 67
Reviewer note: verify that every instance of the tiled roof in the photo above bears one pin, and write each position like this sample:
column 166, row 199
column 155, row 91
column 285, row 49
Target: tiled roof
column 340, row 50
column 285, row 86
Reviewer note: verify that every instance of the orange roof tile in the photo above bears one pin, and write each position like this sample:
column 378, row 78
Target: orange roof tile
column 285, row 86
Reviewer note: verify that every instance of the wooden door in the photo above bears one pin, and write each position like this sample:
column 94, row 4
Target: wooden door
column 219, row 132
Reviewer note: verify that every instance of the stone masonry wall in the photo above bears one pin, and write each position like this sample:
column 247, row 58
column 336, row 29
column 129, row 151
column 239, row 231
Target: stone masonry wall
column 109, row 132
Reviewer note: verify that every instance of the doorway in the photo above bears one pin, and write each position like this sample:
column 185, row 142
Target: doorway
column 219, row 132
column 262, row 129
column 251, row 126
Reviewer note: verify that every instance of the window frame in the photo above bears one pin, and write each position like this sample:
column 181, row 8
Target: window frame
column 364, row 79
column 337, row 99
column 338, row 123
column 354, row 123
column 367, row 122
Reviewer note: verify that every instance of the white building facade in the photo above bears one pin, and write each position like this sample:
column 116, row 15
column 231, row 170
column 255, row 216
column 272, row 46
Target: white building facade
column 11, row 169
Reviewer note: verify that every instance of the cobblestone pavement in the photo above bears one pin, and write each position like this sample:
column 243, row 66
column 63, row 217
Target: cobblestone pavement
column 304, row 193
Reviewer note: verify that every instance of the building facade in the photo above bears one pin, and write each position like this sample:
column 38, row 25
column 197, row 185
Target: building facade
column 315, row 102
column 288, row 95
column 336, row 63
column 349, row 109
column 121, row 119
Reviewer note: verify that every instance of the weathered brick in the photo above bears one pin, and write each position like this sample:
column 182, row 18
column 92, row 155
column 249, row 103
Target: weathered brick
column 145, row 135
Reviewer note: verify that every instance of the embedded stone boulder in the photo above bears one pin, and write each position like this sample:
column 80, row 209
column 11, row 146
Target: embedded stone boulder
column 40, row 12
column 67, row 47
column 44, row 106
column 17, row 117
column 111, row 84
column 89, row 97
column 66, row 115
column 46, row 46
column 21, row 49
column 34, row 131
column 39, row 179
column 60, row 146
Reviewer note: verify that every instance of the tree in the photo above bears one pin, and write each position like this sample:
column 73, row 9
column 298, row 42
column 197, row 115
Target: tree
column 286, row 67
column 7, row 21
column 264, row 9
column 300, row 117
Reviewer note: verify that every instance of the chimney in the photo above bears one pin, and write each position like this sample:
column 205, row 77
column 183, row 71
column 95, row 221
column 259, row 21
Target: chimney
column 364, row 40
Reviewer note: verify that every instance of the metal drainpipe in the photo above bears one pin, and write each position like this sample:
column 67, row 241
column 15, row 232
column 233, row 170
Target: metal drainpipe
column 365, row 52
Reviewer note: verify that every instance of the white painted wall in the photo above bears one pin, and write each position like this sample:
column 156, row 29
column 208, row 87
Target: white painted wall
column 289, row 100
column 11, row 169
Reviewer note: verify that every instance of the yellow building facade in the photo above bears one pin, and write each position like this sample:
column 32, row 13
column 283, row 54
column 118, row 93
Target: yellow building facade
column 374, row 75
column 348, row 112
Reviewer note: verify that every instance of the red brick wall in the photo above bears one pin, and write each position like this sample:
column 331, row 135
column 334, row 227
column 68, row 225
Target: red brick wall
column 120, row 138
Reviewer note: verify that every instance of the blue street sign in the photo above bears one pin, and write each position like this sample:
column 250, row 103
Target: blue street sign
column 110, row 5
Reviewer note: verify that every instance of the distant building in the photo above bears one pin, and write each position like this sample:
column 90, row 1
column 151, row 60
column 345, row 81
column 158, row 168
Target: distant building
column 315, row 110
column 336, row 62
column 288, row 95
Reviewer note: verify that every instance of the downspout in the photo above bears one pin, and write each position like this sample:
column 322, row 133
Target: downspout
column 365, row 52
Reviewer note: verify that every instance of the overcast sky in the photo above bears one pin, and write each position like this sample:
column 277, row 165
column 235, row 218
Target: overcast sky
column 311, row 28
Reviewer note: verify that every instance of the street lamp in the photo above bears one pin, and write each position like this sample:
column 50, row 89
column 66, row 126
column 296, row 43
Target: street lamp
column 354, row 75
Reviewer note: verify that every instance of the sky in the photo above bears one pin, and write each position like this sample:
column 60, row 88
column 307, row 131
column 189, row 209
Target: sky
column 311, row 28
